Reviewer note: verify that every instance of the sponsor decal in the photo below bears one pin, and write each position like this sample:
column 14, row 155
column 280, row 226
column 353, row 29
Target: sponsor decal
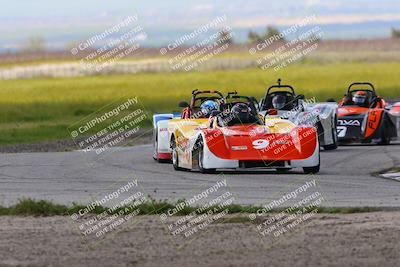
column 260, row 144
column 349, row 122
column 374, row 117
column 281, row 142
column 238, row 148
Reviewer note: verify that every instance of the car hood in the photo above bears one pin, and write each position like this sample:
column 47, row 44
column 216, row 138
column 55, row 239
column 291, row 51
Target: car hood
column 351, row 111
column 271, row 127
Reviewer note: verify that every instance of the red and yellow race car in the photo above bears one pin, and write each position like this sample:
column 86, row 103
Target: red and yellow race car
column 365, row 117
column 192, row 110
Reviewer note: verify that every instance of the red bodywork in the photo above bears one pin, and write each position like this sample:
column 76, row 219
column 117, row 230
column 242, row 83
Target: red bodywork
column 238, row 143
column 351, row 110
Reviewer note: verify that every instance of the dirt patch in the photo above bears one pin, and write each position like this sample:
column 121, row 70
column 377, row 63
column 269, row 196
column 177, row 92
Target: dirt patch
column 68, row 144
column 367, row 239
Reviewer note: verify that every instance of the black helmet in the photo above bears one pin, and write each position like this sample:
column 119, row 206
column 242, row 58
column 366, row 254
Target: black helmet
column 241, row 112
column 279, row 101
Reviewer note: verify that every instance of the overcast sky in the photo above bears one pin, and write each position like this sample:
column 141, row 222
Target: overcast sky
column 247, row 13
column 51, row 18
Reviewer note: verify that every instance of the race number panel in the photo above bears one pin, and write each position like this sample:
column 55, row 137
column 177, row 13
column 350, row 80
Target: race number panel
column 341, row 131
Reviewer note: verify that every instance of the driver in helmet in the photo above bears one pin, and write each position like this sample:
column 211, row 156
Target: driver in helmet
column 207, row 107
column 278, row 102
column 360, row 99
column 242, row 113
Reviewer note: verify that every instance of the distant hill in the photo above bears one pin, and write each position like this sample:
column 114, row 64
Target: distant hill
column 58, row 39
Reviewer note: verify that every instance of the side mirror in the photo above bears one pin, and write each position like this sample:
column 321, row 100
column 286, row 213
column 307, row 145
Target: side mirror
column 184, row 104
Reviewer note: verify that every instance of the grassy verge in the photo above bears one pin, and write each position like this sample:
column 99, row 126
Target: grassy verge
column 29, row 207
column 42, row 109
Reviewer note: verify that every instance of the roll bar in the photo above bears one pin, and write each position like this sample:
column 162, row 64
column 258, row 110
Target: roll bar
column 361, row 83
column 280, row 86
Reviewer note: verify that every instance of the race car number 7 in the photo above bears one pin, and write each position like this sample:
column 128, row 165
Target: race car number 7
column 260, row 143
column 341, row 131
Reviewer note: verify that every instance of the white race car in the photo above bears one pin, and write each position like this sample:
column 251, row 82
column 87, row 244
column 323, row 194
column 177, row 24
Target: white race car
column 281, row 101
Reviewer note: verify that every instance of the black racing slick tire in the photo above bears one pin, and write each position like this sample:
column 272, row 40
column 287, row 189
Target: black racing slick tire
column 283, row 170
column 385, row 139
column 200, row 158
column 335, row 141
column 311, row 170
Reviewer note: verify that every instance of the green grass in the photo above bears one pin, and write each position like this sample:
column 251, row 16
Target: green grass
column 42, row 109
column 30, row 207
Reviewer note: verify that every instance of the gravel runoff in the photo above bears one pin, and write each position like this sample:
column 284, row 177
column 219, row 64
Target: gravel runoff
column 363, row 239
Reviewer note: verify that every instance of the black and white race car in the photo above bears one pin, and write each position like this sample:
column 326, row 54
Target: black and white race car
column 282, row 101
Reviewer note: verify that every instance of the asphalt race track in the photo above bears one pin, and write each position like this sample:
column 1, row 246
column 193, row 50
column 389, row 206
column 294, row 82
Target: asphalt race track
column 347, row 177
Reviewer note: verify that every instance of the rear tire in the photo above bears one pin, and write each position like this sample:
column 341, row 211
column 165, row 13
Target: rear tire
column 200, row 158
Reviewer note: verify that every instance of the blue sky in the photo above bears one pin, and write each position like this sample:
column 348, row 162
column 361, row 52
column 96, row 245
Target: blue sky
column 59, row 21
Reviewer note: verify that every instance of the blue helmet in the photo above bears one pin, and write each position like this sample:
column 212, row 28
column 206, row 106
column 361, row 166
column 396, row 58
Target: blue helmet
column 207, row 107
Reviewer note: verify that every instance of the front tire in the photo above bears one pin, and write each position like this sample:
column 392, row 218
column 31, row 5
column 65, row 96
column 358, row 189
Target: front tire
column 200, row 158
column 335, row 141
column 283, row 170
column 311, row 170
column 385, row 140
